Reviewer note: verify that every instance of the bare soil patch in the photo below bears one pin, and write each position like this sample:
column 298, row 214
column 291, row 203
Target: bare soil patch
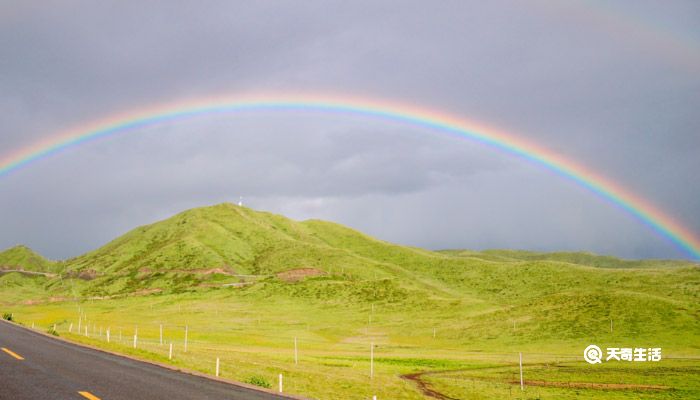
column 297, row 274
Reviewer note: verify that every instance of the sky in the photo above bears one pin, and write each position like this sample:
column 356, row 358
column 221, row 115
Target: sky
column 613, row 86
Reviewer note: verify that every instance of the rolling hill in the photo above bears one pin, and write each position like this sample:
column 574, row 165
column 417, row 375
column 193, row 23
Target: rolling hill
column 249, row 265
column 23, row 258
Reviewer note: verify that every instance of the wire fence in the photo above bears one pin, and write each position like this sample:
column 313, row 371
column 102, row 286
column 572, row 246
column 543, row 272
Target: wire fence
column 305, row 360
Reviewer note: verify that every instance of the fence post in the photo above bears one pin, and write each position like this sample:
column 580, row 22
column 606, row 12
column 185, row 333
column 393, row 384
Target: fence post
column 217, row 366
column 371, row 360
column 170, row 354
column 107, row 334
column 186, row 330
column 70, row 328
column 136, row 332
column 280, row 383
column 521, row 372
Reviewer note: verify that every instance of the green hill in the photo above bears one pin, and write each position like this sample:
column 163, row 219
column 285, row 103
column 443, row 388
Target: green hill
column 258, row 279
column 24, row 258
column 580, row 258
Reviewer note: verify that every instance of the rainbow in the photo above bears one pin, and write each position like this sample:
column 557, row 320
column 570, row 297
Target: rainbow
column 639, row 208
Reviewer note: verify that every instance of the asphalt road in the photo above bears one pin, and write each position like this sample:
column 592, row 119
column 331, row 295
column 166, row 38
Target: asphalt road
column 53, row 369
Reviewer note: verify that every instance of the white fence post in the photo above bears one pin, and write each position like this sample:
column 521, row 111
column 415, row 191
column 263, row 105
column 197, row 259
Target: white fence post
column 371, row 360
column 70, row 328
column 521, row 372
column 136, row 332
column 217, row 366
column 170, row 354
column 280, row 383
column 107, row 334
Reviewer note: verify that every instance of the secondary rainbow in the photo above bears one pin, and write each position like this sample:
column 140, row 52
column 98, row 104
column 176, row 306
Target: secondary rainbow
column 409, row 114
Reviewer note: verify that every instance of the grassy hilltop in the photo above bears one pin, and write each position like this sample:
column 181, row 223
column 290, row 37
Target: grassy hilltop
column 23, row 258
column 246, row 283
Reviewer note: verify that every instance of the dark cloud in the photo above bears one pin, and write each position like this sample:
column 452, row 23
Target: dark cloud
column 613, row 86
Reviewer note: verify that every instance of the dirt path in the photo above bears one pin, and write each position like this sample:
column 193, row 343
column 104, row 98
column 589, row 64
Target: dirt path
column 429, row 391
column 21, row 271
column 424, row 387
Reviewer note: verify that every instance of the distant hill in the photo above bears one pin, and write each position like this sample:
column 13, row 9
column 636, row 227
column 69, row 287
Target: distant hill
column 24, row 258
column 580, row 258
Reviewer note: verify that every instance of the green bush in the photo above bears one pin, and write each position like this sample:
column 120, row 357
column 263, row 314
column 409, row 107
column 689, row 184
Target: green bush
column 7, row 316
column 258, row 380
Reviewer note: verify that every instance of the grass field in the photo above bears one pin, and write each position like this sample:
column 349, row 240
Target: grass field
column 453, row 321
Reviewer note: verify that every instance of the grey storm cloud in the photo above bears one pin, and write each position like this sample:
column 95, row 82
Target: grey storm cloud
column 613, row 86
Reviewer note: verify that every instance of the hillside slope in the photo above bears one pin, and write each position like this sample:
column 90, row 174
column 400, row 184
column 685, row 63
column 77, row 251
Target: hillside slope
column 24, row 258
column 229, row 246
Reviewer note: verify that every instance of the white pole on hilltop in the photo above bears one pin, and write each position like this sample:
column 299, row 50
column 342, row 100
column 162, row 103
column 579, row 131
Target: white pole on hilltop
column 217, row 366
column 296, row 353
column 371, row 360
column 161, row 334
column 521, row 372
column 170, row 354
column 186, row 330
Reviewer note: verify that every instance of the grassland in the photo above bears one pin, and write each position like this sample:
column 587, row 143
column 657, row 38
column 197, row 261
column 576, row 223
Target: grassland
column 456, row 318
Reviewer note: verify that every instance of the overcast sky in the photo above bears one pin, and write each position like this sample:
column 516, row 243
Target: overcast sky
column 613, row 85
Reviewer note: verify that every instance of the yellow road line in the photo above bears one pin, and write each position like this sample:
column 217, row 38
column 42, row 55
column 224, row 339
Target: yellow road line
column 12, row 353
column 89, row 395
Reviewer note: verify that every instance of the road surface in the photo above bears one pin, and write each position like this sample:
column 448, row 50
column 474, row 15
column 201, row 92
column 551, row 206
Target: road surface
column 35, row 366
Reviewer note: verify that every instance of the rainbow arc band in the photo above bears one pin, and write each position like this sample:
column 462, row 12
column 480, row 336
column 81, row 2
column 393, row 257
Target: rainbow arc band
column 608, row 190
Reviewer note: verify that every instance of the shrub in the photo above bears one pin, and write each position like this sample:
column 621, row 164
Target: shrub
column 258, row 380
column 7, row 316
